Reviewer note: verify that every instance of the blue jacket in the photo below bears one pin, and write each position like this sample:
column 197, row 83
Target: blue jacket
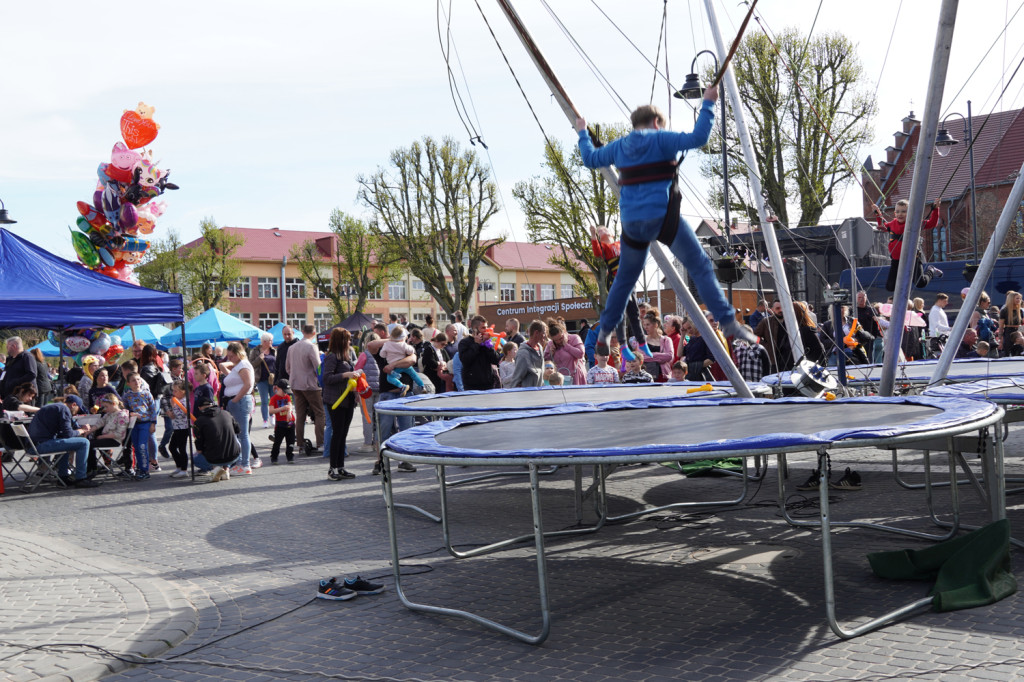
column 647, row 200
column 51, row 421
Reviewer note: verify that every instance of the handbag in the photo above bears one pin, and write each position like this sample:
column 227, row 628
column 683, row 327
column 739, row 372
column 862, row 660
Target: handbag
column 270, row 375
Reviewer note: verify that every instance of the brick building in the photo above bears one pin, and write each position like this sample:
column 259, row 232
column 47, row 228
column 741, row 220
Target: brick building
column 271, row 289
column 998, row 154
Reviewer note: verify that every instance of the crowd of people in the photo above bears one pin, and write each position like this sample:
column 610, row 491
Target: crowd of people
column 298, row 382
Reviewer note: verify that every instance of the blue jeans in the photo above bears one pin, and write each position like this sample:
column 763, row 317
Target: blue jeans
column 686, row 248
column 152, row 436
column 264, row 388
column 328, row 431
column 241, row 411
column 168, row 432
column 203, row 465
column 80, row 446
column 387, row 422
column 141, row 438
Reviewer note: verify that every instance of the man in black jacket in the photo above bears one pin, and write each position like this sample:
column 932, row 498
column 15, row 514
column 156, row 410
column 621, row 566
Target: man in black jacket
column 282, row 352
column 477, row 359
column 216, row 434
column 20, row 369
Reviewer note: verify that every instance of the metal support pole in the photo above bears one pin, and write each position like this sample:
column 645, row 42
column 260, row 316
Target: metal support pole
column 918, row 190
column 771, row 242
column 988, row 262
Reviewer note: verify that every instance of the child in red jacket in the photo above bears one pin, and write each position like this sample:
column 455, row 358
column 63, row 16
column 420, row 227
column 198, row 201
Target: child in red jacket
column 608, row 250
column 923, row 272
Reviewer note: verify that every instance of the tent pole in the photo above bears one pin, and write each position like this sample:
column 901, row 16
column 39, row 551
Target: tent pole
column 918, row 191
column 188, row 403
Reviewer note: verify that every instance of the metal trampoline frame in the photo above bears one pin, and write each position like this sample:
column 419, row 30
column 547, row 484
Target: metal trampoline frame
column 534, row 463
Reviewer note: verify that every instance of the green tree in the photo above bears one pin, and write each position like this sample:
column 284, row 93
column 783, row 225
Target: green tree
column 161, row 267
column 560, row 207
column 807, row 122
column 208, row 268
column 432, row 203
column 356, row 262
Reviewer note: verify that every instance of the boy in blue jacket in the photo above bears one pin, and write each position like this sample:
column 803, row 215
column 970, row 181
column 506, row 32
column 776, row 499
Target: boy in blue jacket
column 647, row 159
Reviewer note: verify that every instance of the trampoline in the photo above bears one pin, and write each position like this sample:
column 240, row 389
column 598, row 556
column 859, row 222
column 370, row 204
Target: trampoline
column 920, row 372
column 682, row 430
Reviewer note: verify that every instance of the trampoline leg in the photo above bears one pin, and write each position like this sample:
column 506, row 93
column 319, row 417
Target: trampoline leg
column 828, row 571
column 541, row 566
column 600, row 503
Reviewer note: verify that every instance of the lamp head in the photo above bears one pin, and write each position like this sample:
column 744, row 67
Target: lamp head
column 5, row 219
column 691, row 88
column 944, row 142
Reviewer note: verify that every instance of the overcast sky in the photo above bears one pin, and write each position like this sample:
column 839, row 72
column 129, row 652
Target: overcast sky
column 270, row 110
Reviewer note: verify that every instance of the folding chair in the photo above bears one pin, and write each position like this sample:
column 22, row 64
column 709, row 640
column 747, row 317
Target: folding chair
column 14, row 456
column 42, row 464
column 114, row 467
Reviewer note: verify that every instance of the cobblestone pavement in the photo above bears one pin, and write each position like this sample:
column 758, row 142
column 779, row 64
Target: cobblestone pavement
column 216, row 581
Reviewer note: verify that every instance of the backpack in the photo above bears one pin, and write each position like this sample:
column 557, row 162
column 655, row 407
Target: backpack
column 987, row 328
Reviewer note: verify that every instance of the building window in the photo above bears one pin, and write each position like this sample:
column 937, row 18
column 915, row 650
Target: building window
column 323, row 321
column 527, row 293
column 244, row 317
column 296, row 320
column 418, row 287
column 507, row 293
column 372, row 294
column 294, row 287
column 323, row 291
column 396, row 290
column 567, row 291
column 267, row 287
column 240, row 289
column 268, row 320
column 419, row 318
column 441, row 317
column 547, row 292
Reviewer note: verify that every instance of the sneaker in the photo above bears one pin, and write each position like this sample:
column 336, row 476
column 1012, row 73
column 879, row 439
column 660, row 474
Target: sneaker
column 934, row 272
column 360, row 586
column 220, row 474
column 406, row 467
column 163, row 452
column 849, row 481
column 330, row 589
column 239, row 470
column 154, row 465
column 376, row 469
column 737, row 331
column 342, row 473
column 142, row 476
column 273, row 460
column 811, row 484
column 90, row 483
column 266, row 423
column 179, row 473
column 255, row 463
column 601, row 348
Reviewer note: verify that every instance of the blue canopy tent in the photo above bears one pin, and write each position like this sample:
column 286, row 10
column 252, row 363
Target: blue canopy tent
column 150, row 333
column 47, row 349
column 274, row 331
column 45, row 291
column 213, row 325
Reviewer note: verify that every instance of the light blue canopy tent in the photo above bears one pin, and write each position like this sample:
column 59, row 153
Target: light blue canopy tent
column 150, row 333
column 47, row 349
column 213, row 325
column 274, row 331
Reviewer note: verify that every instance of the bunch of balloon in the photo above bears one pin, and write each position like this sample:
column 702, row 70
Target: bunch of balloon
column 109, row 238
column 90, row 348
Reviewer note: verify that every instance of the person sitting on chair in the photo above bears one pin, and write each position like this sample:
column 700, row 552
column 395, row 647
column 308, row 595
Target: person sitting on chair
column 53, row 430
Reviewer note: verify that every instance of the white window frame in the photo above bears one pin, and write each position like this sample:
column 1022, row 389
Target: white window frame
column 527, row 293
column 295, row 320
column 507, row 292
column 294, row 288
column 397, row 291
column 568, row 291
column 323, row 321
column 268, row 287
column 547, row 292
column 268, row 320
column 244, row 317
column 240, row 289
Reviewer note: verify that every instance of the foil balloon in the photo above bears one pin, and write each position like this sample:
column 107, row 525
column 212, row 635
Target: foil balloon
column 100, row 344
column 137, row 131
column 77, row 344
column 113, row 352
column 86, row 251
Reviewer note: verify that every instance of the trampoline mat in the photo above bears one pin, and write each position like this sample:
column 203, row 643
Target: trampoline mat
column 543, row 397
column 1001, row 390
column 690, row 426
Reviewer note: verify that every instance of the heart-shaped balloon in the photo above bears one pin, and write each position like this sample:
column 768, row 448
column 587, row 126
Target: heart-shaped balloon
column 137, row 131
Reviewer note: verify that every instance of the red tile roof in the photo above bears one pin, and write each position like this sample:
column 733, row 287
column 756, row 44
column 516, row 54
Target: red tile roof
column 270, row 244
column 998, row 153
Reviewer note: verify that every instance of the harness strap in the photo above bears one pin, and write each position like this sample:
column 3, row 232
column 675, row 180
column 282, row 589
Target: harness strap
column 669, row 226
column 648, row 172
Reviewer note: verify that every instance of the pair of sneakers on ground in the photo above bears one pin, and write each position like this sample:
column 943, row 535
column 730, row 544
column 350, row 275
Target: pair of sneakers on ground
column 347, row 589
column 850, row 480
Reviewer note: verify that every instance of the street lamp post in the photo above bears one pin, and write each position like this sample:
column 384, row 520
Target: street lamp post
column 943, row 143
column 5, row 219
column 692, row 89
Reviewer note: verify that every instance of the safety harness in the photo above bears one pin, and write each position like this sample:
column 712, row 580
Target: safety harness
column 653, row 172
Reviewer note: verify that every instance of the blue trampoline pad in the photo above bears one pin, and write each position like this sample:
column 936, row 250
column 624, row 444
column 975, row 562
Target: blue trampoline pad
column 920, row 371
column 512, row 399
column 1007, row 390
column 634, row 431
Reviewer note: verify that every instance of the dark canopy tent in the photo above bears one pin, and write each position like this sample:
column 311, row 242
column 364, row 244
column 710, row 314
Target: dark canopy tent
column 45, row 291
column 355, row 323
